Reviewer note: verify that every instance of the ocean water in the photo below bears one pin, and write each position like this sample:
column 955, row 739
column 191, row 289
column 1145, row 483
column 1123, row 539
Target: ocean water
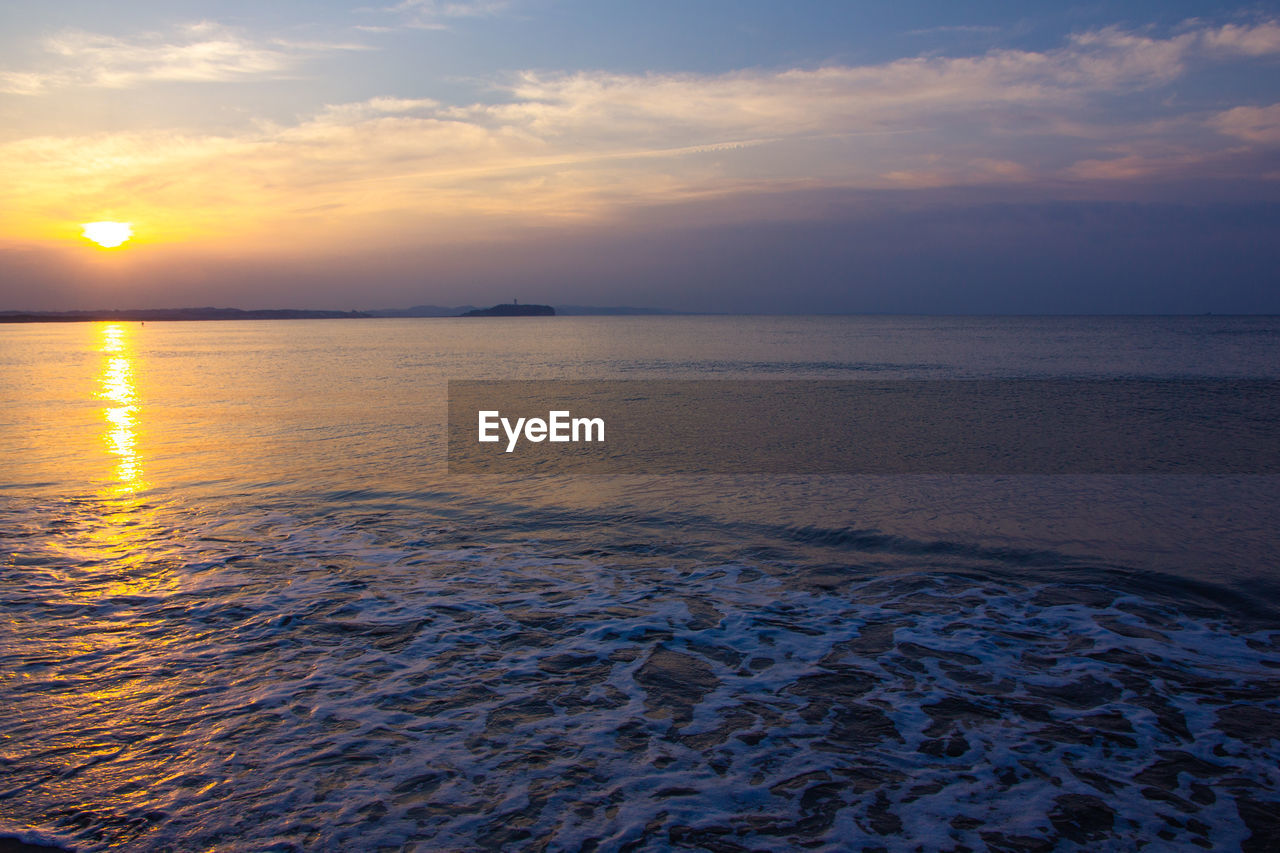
column 245, row 606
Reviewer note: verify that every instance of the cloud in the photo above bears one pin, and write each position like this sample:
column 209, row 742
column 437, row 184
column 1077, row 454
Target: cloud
column 583, row 146
column 1244, row 40
column 435, row 14
column 199, row 52
column 374, row 107
column 22, row 82
column 981, row 170
column 848, row 99
column 1133, row 166
column 956, row 29
column 1255, row 124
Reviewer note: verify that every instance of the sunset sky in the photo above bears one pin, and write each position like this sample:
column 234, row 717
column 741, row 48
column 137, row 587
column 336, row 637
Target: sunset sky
column 714, row 156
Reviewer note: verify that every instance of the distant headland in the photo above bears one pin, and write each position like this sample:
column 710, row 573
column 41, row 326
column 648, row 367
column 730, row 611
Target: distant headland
column 161, row 314
column 144, row 314
column 513, row 309
column 560, row 311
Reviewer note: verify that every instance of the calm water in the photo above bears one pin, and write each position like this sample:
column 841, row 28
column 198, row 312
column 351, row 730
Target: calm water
column 245, row 607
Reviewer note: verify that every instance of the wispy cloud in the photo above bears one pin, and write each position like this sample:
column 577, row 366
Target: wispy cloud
column 22, row 82
column 894, row 94
column 437, row 14
column 1243, row 40
column 199, row 52
column 961, row 29
column 1254, row 124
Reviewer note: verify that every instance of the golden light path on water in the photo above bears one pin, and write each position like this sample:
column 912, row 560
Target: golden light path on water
column 119, row 541
column 103, row 714
column 118, row 387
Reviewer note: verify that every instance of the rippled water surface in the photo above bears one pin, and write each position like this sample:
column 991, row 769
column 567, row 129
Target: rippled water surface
column 245, row 607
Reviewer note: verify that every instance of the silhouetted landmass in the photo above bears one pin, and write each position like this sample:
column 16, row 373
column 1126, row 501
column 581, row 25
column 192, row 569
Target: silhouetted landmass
column 422, row 311
column 609, row 311
column 513, row 310
column 564, row 310
column 143, row 314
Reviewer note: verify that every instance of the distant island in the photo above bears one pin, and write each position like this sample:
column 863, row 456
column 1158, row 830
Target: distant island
column 209, row 313
column 561, row 311
column 513, row 309
column 143, row 314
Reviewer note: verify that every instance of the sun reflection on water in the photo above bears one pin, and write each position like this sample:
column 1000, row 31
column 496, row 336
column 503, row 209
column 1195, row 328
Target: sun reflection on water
column 118, row 540
column 119, row 388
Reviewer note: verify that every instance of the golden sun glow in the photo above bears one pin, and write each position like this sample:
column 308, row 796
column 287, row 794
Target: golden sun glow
column 108, row 235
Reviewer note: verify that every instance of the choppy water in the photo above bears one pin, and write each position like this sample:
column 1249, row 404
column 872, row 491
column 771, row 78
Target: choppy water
column 245, row 607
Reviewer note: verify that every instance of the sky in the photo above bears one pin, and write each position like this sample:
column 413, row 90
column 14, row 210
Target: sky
column 746, row 156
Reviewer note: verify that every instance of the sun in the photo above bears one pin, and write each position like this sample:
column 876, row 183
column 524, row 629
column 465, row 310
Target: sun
column 108, row 235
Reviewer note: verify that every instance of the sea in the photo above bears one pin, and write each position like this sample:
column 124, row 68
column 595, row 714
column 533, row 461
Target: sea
column 246, row 606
